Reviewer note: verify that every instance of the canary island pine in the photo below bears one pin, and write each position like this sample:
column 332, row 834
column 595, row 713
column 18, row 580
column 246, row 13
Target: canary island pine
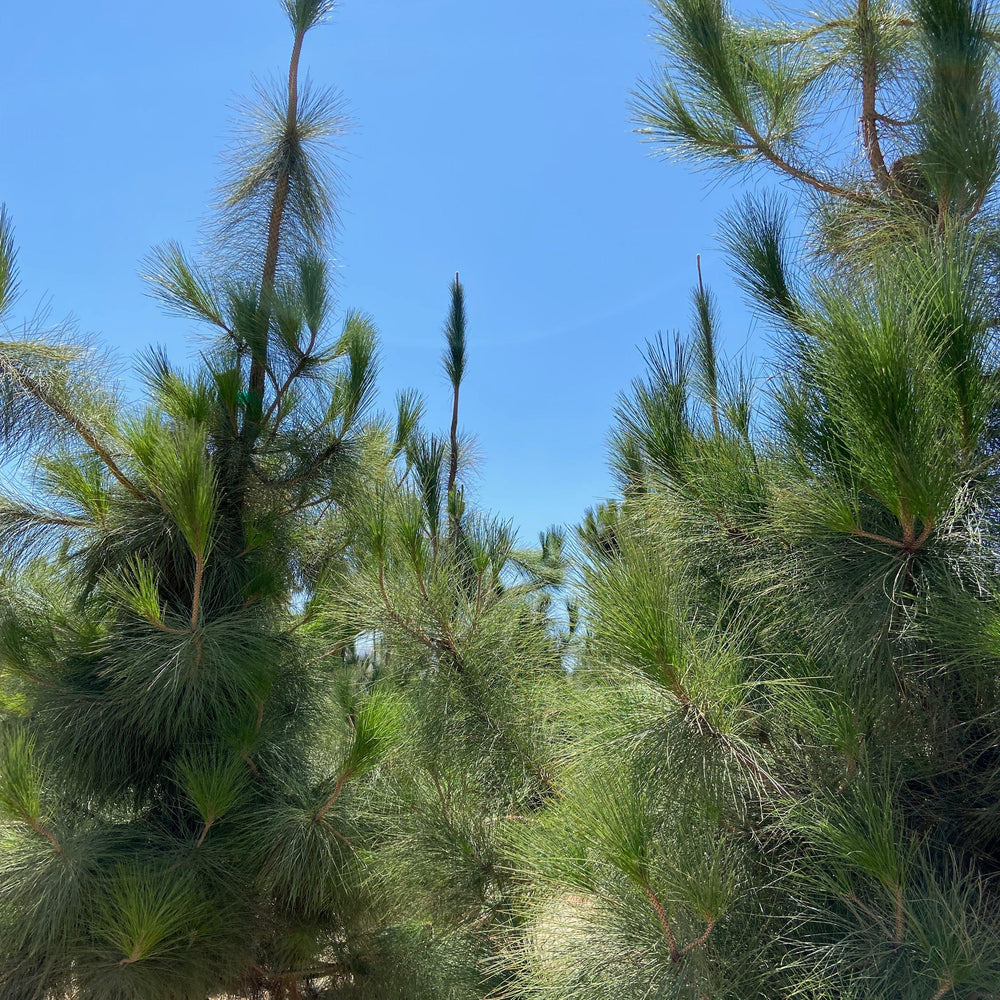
column 176, row 760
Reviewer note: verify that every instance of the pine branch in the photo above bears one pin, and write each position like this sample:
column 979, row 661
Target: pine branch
column 30, row 386
column 661, row 915
column 869, row 86
column 455, row 368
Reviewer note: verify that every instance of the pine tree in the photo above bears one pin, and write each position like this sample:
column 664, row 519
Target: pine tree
column 882, row 113
column 453, row 620
column 784, row 775
column 177, row 755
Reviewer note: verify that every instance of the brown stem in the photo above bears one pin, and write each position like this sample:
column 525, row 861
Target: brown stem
column 474, row 857
column 164, row 627
column 199, row 575
column 852, row 768
column 706, row 727
column 698, row 942
column 859, row 533
column 441, row 796
column 453, row 467
column 397, row 620
column 977, row 205
column 328, row 452
column 35, row 679
column 331, row 801
column 921, row 539
column 479, row 601
column 279, row 201
column 897, row 122
column 661, row 915
column 856, row 904
column 764, row 148
column 323, row 969
column 906, row 520
column 199, row 651
column 869, row 86
column 809, row 33
column 337, row 834
column 204, row 832
column 296, row 371
column 254, row 770
column 47, row 834
column 416, row 567
column 944, row 204
column 900, row 929
column 56, row 520
column 945, row 988
column 675, row 685
column 35, row 389
column 293, row 77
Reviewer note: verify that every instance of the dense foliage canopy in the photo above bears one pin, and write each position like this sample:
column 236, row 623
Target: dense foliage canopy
column 283, row 714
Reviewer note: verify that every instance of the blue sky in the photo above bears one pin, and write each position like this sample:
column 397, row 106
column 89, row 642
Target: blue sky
column 490, row 138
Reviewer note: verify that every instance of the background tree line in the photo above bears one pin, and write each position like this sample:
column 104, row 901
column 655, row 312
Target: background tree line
column 282, row 714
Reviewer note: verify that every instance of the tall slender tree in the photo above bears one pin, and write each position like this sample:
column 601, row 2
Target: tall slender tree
column 450, row 618
column 177, row 766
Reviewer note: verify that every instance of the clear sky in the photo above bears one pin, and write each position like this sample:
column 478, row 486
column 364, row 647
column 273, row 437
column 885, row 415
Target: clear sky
column 491, row 138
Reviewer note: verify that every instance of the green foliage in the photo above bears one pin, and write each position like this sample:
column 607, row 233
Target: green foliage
column 148, row 922
column 8, row 262
column 780, row 762
column 169, row 729
column 737, row 92
column 273, row 691
column 454, row 331
column 284, row 714
column 215, row 783
column 20, row 782
column 306, row 14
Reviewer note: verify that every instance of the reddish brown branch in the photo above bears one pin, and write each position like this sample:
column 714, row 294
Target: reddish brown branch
column 661, row 914
column 869, row 87
column 337, row 834
column 859, row 533
column 279, row 202
column 35, row 389
column 398, row 620
column 199, row 576
column 331, row 801
column 762, row 146
column 47, row 834
column 698, row 942
column 453, row 455
column 920, row 541
column 714, row 401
